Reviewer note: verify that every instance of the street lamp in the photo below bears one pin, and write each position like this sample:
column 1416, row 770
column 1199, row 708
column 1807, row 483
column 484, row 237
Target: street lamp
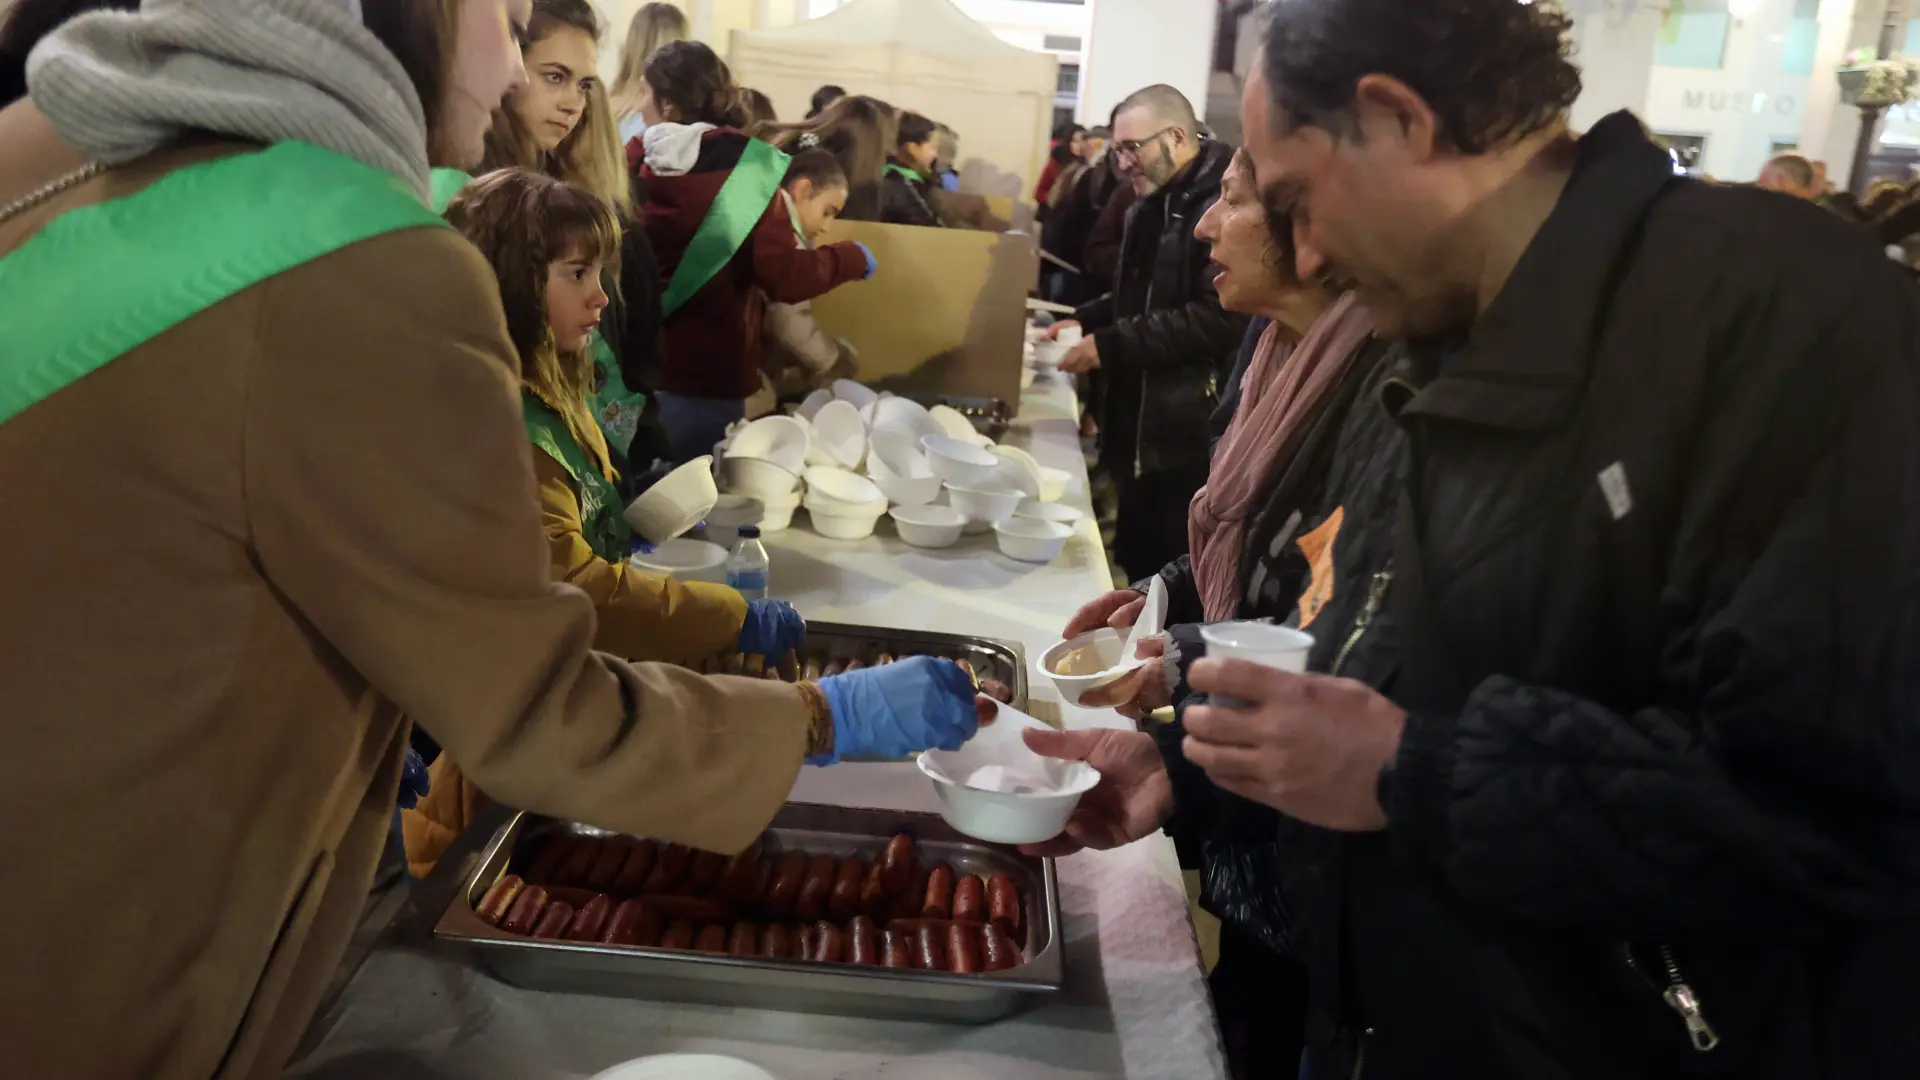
column 1873, row 89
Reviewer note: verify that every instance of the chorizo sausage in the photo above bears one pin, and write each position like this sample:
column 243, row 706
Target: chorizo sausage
column 744, row 940
column 930, row 948
column 788, row 875
column 835, row 667
column 547, row 863
column 679, row 935
column 776, row 943
column 997, row 690
column 590, row 919
column 579, row 862
column 499, row 899
column 804, row 942
column 829, row 943
column 705, row 876
column 999, row 953
column 814, row 892
column 1003, row 905
column 633, row 872
column 711, row 939
column 863, row 942
column 844, row 902
column 897, row 864
column 606, row 867
column 691, row 908
column 577, row 897
column 525, row 913
column 742, row 874
column 554, row 920
column 908, row 903
column 970, row 899
column 938, row 902
column 633, row 923
column 963, row 949
column 873, row 893
column 895, row 950
column 668, row 868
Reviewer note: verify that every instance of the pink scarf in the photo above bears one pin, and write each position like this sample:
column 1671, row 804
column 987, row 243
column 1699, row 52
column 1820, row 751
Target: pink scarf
column 1283, row 390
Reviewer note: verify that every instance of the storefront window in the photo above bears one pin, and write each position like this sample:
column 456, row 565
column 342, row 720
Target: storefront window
column 1803, row 36
column 1693, row 34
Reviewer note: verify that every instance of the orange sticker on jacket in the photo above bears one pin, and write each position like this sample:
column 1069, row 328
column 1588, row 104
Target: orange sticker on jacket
column 1317, row 546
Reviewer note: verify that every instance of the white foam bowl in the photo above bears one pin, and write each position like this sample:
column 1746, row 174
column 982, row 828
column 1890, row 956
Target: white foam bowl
column 905, row 413
column 983, row 507
column 958, row 462
column 1054, row 483
column 1029, row 467
column 840, row 435
column 1046, row 511
column 1032, row 540
column 685, row 560
column 1107, row 644
column 837, row 491
column 1048, row 354
column 842, row 527
column 728, row 515
column 1003, row 817
column 778, row 517
column 853, row 393
column 812, row 404
column 762, row 480
column 953, row 422
column 928, row 526
column 779, row 439
column 901, row 471
column 681, row 500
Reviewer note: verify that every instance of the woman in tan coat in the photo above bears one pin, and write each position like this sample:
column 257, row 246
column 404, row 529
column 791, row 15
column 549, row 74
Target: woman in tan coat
column 282, row 445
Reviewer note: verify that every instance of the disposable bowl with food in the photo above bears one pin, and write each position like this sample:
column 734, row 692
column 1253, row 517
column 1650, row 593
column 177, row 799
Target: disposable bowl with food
column 677, row 503
column 840, row 435
column 1037, row 795
column 958, row 462
column 1032, row 540
column 759, row 479
column 779, row 439
column 1093, row 660
column 928, row 526
column 1046, row 511
column 984, row 507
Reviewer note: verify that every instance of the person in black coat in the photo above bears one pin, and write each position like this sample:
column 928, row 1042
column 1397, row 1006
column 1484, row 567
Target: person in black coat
column 907, row 197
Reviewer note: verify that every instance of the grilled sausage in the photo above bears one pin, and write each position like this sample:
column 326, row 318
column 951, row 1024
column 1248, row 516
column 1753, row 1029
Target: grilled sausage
column 930, row 949
column 744, row 940
column 690, row 908
column 776, row 943
column 633, row 872
column 705, row 876
column 579, row 862
column 835, row 667
column 938, row 899
column 863, row 942
column 963, row 949
column 569, row 894
column 856, row 664
column 814, row 892
column 829, row 943
column 805, row 943
column 1000, row 954
column 711, row 939
column 895, row 950
column 873, row 893
column 970, row 899
column 997, row 690
column 788, row 875
column 613, row 855
column 1003, row 905
column 679, row 935
column 843, row 902
column 740, row 880
column 547, row 863
column 898, row 864
column 590, row 919
column 633, row 923
column 499, row 899
column 668, row 868
column 554, row 920
column 909, row 903
column 525, row 913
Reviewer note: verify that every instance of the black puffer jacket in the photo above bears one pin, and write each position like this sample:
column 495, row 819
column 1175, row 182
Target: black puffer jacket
column 1165, row 343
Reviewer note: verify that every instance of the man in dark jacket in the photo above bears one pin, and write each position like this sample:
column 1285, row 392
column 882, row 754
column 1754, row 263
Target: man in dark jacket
column 1160, row 339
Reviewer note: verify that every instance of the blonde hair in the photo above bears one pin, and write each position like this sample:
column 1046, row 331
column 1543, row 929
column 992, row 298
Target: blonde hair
column 590, row 157
column 523, row 222
column 653, row 26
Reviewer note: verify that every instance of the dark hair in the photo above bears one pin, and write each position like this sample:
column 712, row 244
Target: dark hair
column 1065, row 130
column 1492, row 71
column 818, row 167
column 824, row 97
column 25, row 23
column 697, row 84
column 759, row 107
column 914, row 130
column 859, row 132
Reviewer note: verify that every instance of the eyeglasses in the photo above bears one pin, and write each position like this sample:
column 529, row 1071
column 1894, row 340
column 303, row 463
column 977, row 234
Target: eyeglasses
column 1130, row 148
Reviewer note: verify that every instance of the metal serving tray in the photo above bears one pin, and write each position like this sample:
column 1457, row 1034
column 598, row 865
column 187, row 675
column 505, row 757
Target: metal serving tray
column 991, row 657
column 791, row 985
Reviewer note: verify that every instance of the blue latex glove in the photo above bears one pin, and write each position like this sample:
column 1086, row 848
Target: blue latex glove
column 413, row 780
column 920, row 703
column 773, row 629
column 950, row 181
column 873, row 264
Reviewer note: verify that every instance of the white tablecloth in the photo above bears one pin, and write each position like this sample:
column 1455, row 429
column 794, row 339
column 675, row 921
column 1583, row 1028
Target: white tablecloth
column 1136, row 1004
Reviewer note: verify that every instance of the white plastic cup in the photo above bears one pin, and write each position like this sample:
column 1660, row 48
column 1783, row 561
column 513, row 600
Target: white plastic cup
column 1279, row 647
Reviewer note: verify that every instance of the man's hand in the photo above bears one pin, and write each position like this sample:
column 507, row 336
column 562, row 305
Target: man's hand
column 1142, row 691
column 1133, row 799
column 1119, row 609
column 1309, row 746
column 1082, row 358
column 1058, row 328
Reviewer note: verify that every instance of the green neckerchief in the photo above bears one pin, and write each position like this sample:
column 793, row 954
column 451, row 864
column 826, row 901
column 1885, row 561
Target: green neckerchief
column 742, row 201
column 615, row 408
column 602, row 518
column 905, row 173
column 101, row 280
column 446, row 184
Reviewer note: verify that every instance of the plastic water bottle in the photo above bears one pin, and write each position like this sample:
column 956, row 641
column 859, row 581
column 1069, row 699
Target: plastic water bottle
column 747, row 566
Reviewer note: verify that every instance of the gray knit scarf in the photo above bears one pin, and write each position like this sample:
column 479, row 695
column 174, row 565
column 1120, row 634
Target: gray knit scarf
column 121, row 85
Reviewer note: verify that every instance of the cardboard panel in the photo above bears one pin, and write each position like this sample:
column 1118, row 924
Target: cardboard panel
column 945, row 314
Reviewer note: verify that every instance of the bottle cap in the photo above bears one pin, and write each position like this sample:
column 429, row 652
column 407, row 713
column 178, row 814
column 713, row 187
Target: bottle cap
column 749, row 532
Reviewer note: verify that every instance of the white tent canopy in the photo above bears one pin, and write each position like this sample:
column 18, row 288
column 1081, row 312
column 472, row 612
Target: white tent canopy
column 926, row 56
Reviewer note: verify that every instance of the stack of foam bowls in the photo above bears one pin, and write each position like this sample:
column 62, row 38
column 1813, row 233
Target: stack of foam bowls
column 676, row 504
column 843, row 505
column 1046, row 511
column 764, row 459
column 1016, row 469
column 928, row 526
column 854, row 394
column 958, row 462
column 839, row 436
column 1054, row 483
column 906, row 414
column 956, row 426
column 896, row 465
column 984, row 507
column 727, row 517
column 812, row 404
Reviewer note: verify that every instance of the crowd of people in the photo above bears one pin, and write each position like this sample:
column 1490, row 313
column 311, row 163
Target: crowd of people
column 1597, row 490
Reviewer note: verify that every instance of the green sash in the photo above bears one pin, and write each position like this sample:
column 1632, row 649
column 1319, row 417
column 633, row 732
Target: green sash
column 615, row 408
column 742, row 201
column 905, row 173
column 102, row 280
column 601, row 512
column 446, row 184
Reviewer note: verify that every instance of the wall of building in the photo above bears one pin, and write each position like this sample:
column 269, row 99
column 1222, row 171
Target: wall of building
column 1137, row 43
